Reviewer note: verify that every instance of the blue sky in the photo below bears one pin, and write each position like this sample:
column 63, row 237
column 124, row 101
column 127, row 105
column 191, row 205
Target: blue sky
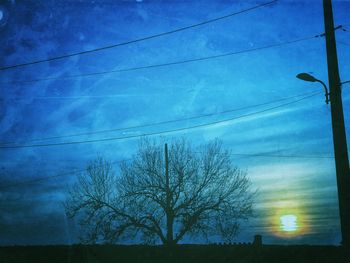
column 289, row 182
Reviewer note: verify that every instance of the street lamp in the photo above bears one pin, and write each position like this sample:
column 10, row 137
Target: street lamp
column 308, row 77
column 340, row 151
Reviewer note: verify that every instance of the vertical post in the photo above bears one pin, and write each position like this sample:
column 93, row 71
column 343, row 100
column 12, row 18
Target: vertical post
column 168, row 212
column 339, row 135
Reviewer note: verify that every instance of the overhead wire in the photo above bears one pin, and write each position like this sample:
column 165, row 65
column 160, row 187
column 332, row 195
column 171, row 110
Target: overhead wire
column 119, row 161
column 137, row 40
column 36, row 180
column 160, row 122
column 159, row 65
column 283, row 156
column 162, row 64
column 158, row 132
column 344, row 29
column 265, row 155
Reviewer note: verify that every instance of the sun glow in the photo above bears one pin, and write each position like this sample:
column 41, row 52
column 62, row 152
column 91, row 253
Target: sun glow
column 289, row 223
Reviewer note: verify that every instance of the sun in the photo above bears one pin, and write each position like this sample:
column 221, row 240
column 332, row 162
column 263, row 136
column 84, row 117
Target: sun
column 289, row 223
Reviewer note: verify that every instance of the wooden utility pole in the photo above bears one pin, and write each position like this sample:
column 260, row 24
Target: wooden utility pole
column 168, row 212
column 339, row 135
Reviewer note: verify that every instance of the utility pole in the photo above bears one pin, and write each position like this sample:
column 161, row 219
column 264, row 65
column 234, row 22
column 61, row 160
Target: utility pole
column 168, row 212
column 339, row 135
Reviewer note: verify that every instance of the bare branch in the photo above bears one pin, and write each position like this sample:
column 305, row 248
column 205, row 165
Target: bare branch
column 205, row 195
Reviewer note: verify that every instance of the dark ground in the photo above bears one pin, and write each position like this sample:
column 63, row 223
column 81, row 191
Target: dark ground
column 181, row 253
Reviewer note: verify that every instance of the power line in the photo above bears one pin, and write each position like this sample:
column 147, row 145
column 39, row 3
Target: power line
column 139, row 39
column 119, row 161
column 269, row 155
column 161, row 122
column 36, row 180
column 283, row 156
column 77, row 97
column 158, row 132
column 164, row 64
column 41, row 179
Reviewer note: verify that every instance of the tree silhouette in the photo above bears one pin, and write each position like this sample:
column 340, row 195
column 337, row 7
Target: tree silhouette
column 161, row 196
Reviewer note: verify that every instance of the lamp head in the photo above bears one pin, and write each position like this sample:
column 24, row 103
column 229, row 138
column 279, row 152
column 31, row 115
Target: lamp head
column 306, row 77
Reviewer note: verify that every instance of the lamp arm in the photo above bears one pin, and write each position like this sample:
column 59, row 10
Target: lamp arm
column 325, row 90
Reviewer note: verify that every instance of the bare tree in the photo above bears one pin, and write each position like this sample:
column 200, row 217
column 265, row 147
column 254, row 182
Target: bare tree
column 161, row 196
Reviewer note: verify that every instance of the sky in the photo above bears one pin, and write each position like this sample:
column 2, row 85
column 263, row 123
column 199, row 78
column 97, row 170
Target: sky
column 287, row 150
